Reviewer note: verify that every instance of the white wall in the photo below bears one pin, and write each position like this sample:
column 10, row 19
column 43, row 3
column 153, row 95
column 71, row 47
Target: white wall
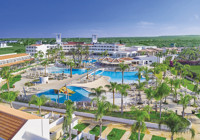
column 39, row 127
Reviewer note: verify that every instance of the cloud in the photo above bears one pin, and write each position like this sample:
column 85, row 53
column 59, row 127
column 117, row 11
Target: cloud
column 145, row 23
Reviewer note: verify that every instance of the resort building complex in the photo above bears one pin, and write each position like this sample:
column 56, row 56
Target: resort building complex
column 14, row 59
column 95, row 48
column 19, row 125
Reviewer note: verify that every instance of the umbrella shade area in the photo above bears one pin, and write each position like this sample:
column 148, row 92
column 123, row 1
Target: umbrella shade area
column 79, row 94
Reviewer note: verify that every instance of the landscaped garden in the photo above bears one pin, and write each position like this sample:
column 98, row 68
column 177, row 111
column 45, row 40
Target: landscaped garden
column 195, row 68
column 81, row 126
column 154, row 116
column 134, row 136
column 96, row 130
column 116, row 134
column 12, row 82
column 157, row 138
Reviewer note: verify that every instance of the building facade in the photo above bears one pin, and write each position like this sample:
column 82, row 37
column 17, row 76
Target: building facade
column 14, row 59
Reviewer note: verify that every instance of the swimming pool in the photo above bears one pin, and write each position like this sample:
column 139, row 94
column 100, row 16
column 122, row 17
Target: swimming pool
column 129, row 77
column 67, row 71
column 89, row 61
column 79, row 95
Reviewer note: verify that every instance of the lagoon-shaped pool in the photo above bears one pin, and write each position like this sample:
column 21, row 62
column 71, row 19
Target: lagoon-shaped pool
column 79, row 95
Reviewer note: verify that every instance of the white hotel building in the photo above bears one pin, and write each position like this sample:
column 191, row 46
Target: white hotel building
column 115, row 50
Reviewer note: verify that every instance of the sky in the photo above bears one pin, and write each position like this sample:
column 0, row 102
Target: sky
column 105, row 18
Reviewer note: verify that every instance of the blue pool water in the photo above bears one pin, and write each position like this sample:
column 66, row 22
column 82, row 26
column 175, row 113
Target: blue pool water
column 89, row 61
column 79, row 95
column 67, row 71
column 129, row 77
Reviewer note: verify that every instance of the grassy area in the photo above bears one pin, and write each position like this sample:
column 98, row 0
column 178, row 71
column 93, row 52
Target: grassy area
column 198, row 115
column 81, row 126
column 157, row 138
column 12, row 82
column 116, row 134
column 154, row 116
column 17, row 48
column 96, row 130
column 134, row 136
column 195, row 69
column 189, row 84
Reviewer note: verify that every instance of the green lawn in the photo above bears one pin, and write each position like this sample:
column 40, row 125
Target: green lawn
column 157, row 138
column 116, row 134
column 189, row 84
column 198, row 115
column 81, row 126
column 96, row 130
column 17, row 48
column 195, row 69
column 12, row 82
column 134, row 136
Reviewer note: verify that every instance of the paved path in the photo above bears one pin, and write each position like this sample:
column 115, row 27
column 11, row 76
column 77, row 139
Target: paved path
column 126, row 135
column 147, row 137
column 90, row 127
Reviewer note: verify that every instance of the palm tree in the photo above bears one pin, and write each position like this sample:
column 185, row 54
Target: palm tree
column 149, row 94
column 139, row 125
column 122, row 68
column 159, row 55
column 146, row 74
column 9, row 97
column 122, row 88
column 45, row 64
column 87, row 72
column 176, row 84
column 68, row 117
column 102, row 107
column 96, row 92
column 71, row 64
column 112, row 88
column 175, row 124
column 38, row 101
column 41, row 54
column 140, row 86
column 162, row 91
column 6, row 74
column 184, row 101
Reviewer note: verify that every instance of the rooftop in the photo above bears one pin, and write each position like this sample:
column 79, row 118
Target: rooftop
column 2, row 57
column 11, row 120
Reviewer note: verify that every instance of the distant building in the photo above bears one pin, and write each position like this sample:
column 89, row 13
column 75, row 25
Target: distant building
column 94, row 39
column 3, row 44
column 58, row 39
column 14, row 59
column 96, row 48
column 19, row 125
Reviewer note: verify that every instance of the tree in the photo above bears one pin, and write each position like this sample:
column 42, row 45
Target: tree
column 139, row 125
column 146, row 74
column 45, row 64
column 184, row 101
column 176, row 84
column 149, row 94
column 38, row 101
column 140, row 85
column 162, row 91
column 122, row 88
column 96, row 92
column 9, row 97
column 41, row 54
column 102, row 107
column 6, row 74
column 122, row 68
column 112, row 88
column 68, row 117
column 71, row 64
column 175, row 124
